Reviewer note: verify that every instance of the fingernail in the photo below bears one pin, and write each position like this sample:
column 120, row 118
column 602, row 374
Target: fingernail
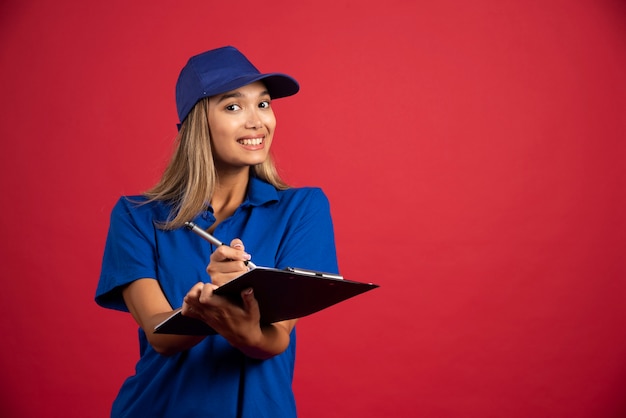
column 237, row 246
column 247, row 256
column 248, row 291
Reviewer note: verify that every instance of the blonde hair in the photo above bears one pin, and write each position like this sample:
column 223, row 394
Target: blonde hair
column 190, row 177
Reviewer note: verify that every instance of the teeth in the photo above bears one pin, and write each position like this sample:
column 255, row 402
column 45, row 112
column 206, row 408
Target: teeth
column 254, row 141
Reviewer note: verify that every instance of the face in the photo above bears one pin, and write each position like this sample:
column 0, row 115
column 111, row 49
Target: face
column 242, row 123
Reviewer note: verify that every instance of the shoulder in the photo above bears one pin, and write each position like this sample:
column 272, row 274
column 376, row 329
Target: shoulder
column 303, row 202
column 303, row 194
column 139, row 210
column 139, row 204
column 304, row 198
column 298, row 202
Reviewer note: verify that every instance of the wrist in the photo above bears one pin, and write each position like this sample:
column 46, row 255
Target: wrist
column 265, row 342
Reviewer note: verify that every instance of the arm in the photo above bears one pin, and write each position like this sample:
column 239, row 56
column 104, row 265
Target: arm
column 148, row 305
column 239, row 325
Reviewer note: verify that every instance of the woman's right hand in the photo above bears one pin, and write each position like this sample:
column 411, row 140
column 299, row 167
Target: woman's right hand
column 228, row 262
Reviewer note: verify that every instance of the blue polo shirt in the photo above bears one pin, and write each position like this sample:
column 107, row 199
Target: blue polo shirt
column 279, row 228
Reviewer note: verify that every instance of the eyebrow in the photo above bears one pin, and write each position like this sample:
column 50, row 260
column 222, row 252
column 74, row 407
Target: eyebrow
column 239, row 95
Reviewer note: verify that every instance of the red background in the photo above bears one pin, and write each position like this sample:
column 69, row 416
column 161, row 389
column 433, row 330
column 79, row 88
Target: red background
column 473, row 153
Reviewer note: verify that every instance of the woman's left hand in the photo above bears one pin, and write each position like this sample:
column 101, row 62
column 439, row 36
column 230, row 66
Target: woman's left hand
column 239, row 324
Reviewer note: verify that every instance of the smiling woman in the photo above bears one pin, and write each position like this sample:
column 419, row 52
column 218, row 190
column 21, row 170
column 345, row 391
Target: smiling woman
column 222, row 178
column 242, row 124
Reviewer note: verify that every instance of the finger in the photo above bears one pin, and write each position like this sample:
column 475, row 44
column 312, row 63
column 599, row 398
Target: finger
column 250, row 303
column 225, row 253
column 237, row 244
column 231, row 269
column 187, row 310
column 207, row 293
column 194, row 292
column 191, row 299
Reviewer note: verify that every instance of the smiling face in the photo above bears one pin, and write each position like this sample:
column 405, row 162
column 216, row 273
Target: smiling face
column 242, row 123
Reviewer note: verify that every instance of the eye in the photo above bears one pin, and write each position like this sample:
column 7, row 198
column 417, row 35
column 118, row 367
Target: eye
column 265, row 104
column 233, row 107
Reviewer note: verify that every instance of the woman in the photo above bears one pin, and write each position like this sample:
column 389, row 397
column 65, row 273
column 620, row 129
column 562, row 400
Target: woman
column 222, row 178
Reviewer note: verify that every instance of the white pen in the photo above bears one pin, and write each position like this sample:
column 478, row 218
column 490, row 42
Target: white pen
column 195, row 228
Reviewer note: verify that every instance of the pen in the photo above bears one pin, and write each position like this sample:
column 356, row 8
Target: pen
column 195, row 228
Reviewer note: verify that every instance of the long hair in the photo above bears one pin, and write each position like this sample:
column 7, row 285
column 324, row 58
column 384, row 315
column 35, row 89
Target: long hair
column 189, row 179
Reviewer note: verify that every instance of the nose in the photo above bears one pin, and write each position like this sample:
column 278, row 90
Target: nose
column 253, row 121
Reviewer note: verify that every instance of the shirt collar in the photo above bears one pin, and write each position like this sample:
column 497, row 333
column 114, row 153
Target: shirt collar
column 260, row 192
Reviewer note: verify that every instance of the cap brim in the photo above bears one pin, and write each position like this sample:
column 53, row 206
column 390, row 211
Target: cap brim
column 280, row 85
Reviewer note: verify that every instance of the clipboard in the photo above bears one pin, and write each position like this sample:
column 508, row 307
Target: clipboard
column 282, row 295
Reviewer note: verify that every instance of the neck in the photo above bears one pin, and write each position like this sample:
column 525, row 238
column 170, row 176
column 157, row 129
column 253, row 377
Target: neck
column 229, row 193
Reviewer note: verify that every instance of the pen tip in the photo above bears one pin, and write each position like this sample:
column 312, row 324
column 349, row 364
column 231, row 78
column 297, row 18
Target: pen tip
column 189, row 225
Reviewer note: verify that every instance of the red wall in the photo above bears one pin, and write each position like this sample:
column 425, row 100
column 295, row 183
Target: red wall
column 473, row 153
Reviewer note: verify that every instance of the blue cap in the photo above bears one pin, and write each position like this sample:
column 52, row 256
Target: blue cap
column 220, row 70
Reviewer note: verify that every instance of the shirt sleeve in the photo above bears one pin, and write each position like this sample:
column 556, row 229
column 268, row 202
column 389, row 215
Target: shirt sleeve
column 129, row 253
column 310, row 241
